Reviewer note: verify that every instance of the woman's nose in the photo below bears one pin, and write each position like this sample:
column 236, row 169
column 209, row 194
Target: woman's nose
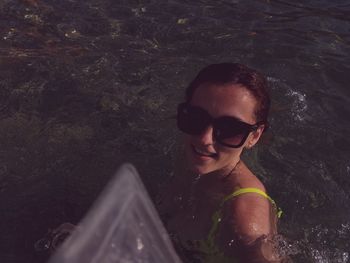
column 206, row 138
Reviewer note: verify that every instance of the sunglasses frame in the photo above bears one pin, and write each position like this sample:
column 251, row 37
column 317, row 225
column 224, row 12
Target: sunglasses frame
column 211, row 121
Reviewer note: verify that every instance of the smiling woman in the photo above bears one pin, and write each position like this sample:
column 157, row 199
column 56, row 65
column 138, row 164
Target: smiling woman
column 216, row 207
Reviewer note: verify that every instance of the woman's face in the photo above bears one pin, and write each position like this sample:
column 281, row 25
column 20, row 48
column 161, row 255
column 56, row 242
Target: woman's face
column 204, row 154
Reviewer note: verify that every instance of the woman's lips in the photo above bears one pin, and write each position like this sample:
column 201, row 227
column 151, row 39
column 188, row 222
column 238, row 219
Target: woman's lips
column 203, row 154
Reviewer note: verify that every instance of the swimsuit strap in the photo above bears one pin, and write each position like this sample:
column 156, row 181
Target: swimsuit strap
column 244, row 191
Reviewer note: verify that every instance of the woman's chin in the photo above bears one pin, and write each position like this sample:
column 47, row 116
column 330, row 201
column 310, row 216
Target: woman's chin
column 200, row 169
column 199, row 164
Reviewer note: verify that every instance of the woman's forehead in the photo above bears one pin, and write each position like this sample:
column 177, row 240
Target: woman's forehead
column 226, row 100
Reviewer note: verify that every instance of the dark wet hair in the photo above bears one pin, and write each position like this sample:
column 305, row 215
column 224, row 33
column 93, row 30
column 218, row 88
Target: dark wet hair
column 234, row 73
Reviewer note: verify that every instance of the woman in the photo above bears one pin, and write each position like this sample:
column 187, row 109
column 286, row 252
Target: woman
column 219, row 208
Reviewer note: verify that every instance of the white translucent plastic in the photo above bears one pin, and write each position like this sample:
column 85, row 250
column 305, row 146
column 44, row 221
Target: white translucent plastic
column 122, row 226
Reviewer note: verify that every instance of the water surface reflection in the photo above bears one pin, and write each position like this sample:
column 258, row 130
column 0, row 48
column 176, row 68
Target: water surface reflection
column 88, row 85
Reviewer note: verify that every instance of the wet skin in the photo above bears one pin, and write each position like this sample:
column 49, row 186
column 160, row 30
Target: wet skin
column 247, row 217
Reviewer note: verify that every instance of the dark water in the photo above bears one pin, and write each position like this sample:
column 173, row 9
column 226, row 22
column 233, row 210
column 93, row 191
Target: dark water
column 87, row 85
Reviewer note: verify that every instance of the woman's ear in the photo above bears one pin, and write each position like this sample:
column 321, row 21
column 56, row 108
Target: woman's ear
column 254, row 136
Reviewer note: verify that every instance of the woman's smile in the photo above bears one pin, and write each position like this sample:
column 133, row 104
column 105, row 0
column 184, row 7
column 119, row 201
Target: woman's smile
column 204, row 153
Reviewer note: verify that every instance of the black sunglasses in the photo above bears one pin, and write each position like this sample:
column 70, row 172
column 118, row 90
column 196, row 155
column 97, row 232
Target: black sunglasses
column 228, row 131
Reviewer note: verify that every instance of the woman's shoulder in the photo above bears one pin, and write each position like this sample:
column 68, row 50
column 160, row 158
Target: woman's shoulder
column 249, row 219
column 249, row 210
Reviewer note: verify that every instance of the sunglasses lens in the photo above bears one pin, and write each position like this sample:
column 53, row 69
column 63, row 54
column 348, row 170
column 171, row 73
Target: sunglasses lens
column 191, row 120
column 231, row 132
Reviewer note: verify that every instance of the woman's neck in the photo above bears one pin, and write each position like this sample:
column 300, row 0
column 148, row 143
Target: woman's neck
column 220, row 175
